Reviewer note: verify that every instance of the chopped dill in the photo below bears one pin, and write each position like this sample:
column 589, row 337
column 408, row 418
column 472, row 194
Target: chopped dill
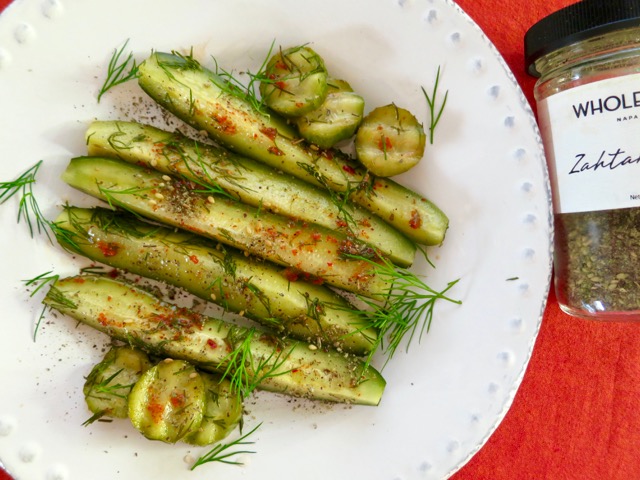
column 220, row 453
column 119, row 70
column 245, row 370
column 40, row 281
column 434, row 116
column 249, row 93
column 405, row 311
column 28, row 209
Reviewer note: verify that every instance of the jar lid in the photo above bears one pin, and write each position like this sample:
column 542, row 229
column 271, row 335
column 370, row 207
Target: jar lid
column 580, row 21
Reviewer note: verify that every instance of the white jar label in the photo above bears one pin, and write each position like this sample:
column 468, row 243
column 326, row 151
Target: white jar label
column 592, row 141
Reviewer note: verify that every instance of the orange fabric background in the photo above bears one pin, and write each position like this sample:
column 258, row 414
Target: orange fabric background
column 577, row 413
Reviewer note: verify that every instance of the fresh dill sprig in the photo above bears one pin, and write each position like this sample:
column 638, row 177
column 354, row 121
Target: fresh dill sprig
column 115, row 389
column 28, row 209
column 110, row 194
column 200, row 171
column 220, row 452
column 434, row 116
column 119, row 71
column 405, row 311
column 40, row 281
column 249, row 93
column 94, row 418
column 340, row 200
column 245, row 370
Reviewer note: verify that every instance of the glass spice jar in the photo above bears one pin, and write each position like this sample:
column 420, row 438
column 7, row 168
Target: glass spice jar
column 587, row 58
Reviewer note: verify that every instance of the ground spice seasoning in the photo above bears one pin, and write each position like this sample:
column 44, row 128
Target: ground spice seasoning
column 587, row 58
column 598, row 258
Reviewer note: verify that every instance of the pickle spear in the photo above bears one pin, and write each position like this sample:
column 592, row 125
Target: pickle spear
column 249, row 358
column 247, row 180
column 256, row 289
column 208, row 102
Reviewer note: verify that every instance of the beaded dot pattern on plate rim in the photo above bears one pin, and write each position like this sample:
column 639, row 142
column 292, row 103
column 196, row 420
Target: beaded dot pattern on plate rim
column 25, row 34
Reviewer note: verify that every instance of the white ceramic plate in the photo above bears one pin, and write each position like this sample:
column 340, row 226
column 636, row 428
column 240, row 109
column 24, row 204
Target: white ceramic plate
column 486, row 170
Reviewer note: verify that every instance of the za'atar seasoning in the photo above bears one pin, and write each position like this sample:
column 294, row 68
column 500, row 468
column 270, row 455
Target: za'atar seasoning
column 587, row 58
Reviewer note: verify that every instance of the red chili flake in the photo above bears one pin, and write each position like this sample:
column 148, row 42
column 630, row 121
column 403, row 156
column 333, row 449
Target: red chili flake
column 280, row 85
column 211, row 343
column 226, row 124
column 294, row 251
column 281, row 65
column 316, row 236
column 108, row 249
column 341, row 223
column 177, row 399
column 331, row 239
column 349, row 169
column 181, row 319
column 269, row 132
column 114, row 273
column 156, row 410
column 275, row 151
column 102, row 319
column 295, row 370
column 386, row 145
column 330, row 264
column 79, row 280
column 416, row 220
column 194, row 259
column 327, row 154
column 291, row 275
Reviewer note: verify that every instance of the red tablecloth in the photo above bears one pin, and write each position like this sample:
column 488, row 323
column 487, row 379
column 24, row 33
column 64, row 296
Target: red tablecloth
column 576, row 414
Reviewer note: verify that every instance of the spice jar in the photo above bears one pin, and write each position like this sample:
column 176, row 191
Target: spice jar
column 587, row 58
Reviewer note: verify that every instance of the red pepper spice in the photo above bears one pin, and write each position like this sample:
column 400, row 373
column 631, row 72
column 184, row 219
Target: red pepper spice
column 349, row 169
column 177, row 399
column 102, row 319
column 416, row 221
column 108, row 249
column 269, row 132
column 156, row 410
column 385, row 143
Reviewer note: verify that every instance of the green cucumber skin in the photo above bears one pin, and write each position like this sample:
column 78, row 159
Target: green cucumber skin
column 223, row 411
column 132, row 315
column 167, row 402
column 298, row 81
column 337, row 119
column 240, row 284
column 123, row 366
column 303, row 247
column 249, row 181
column 198, row 97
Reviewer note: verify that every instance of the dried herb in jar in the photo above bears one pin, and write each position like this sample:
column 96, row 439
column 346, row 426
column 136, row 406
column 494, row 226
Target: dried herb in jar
column 597, row 260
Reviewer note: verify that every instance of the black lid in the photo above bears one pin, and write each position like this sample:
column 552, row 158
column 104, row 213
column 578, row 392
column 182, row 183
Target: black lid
column 577, row 22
